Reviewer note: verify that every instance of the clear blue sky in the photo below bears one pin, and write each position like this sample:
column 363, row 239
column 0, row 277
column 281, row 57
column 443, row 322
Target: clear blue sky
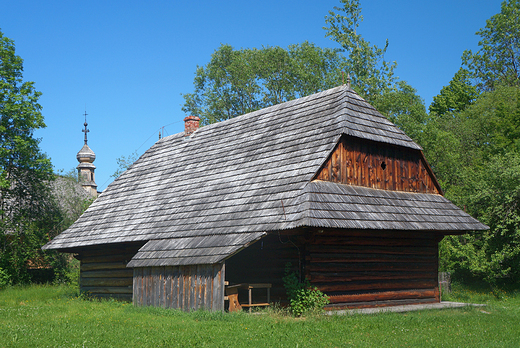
column 129, row 61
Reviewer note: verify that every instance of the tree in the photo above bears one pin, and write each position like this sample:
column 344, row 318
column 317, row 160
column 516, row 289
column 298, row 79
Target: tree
column 237, row 82
column 123, row 163
column 401, row 105
column 498, row 60
column 492, row 194
column 26, row 204
column 371, row 75
column 455, row 97
column 476, row 155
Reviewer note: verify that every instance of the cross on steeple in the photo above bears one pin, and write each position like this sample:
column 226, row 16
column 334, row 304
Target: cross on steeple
column 85, row 130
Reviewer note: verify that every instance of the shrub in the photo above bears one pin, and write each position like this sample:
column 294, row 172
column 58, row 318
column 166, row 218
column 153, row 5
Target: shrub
column 303, row 298
column 5, row 279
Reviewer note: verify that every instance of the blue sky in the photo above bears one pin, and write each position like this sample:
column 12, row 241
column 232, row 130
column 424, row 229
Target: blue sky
column 127, row 62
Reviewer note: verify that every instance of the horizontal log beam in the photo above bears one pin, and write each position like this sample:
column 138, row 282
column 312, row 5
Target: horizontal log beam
column 370, row 241
column 99, row 266
column 119, row 297
column 366, row 258
column 107, row 290
column 107, row 258
column 372, row 266
column 357, row 276
column 111, row 273
column 338, row 249
column 383, row 296
column 363, row 286
column 371, row 304
column 103, row 282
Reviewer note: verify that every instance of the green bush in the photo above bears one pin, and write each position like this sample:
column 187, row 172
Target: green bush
column 303, row 298
column 5, row 279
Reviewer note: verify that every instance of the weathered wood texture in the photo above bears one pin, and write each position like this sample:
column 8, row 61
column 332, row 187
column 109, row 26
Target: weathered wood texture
column 359, row 267
column 378, row 165
column 104, row 272
column 181, row 287
column 355, row 268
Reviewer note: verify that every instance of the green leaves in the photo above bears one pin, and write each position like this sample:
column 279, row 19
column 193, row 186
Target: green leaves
column 371, row 75
column 498, row 60
column 455, row 97
column 302, row 297
column 237, row 82
column 28, row 210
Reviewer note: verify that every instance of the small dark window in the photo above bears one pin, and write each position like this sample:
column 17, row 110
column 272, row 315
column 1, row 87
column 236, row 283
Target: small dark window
column 383, row 165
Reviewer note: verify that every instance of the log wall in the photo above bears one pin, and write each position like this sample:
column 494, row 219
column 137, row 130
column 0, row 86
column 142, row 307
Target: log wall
column 181, row 287
column 103, row 271
column 354, row 268
column 380, row 166
column 371, row 268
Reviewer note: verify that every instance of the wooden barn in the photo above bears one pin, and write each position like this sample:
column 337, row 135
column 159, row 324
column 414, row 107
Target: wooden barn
column 324, row 182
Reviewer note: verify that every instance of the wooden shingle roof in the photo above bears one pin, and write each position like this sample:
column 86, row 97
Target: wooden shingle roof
column 199, row 199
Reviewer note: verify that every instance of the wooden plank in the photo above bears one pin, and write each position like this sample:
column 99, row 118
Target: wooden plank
column 118, row 297
column 99, row 266
column 335, row 166
column 364, row 249
column 382, row 296
column 218, row 287
column 168, row 286
column 137, row 286
column 357, row 276
column 112, row 273
column 175, row 287
column 148, row 286
column 108, row 290
column 371, row 304
column 125, row 258
column 389, row 266
column 207, row 287
column 389, row 285
column 254, row 305
column 88, row 282
column 371, row 234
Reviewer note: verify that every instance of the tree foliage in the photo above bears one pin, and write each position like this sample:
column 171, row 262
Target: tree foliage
column 236, row 82
column 472, row 140
column 455, row 97
column 498, row 59
column 371, row 74
column 123, row 163
column 478, row 164
column 30, row 214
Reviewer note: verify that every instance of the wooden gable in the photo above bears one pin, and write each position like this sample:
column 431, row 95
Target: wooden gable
column 381, row 166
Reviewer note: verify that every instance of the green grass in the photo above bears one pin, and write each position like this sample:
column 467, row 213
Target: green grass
column 54, row 316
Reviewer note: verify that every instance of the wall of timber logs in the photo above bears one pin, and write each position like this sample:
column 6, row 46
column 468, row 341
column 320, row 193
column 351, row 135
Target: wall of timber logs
column 367, row 268
column 355, row 268
column 380, row 166
column 104, row 272
column 187, row 288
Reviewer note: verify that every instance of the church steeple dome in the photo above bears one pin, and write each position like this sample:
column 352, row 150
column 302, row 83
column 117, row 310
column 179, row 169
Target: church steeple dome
column 85, row 167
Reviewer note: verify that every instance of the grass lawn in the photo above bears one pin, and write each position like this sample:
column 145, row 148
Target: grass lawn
column 53, row 316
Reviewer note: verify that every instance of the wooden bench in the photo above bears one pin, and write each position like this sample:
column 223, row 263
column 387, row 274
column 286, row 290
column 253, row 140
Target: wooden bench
column 232, row 295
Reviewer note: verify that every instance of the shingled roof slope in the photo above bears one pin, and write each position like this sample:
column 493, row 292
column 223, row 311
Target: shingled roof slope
column 201, row 198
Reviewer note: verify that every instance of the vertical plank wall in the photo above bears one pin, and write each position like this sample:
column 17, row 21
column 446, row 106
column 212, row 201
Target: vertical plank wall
column 367, row 268
column 385, row 167
column 181, row 287
column 104, row 272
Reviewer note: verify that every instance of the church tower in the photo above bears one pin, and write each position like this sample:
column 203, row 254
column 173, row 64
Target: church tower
column 85, row 167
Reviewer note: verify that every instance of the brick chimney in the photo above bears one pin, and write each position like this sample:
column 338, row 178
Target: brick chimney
column 191, row 124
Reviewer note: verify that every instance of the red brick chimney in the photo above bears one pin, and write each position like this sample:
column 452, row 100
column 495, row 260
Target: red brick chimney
column 191, row 124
